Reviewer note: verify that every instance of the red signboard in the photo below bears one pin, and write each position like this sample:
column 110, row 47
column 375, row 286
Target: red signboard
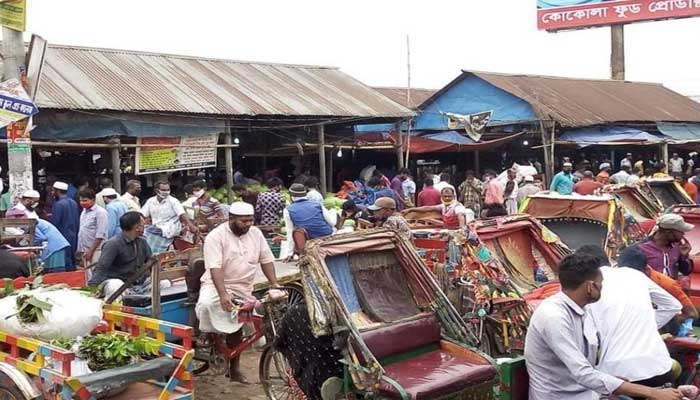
column 614, row 12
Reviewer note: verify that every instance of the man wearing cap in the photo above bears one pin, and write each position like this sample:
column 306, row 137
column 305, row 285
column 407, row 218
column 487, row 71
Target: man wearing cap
column 385, row 215
column 233, row 252
column 65, row 216
column 529, row 189
column 308, row 215
column 167, row 217
column 115, row 209
column 667, row 249
column 603, row 176
column 26, row 207
column 563, row 182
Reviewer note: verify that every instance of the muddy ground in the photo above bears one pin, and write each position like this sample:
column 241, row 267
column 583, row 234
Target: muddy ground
column 208, row 386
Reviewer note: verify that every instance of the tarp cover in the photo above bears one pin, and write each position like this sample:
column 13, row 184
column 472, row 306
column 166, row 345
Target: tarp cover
column 603, row 134
column 579, row 232
column 542, row 207
column 680, row 132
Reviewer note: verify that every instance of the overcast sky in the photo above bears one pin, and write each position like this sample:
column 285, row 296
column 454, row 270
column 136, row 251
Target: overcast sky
column 367, row 39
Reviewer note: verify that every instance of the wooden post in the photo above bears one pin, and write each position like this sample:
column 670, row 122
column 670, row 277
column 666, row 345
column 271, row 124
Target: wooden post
column 116, row 165
column 617, row 55
column 546, row 150
column 476, row 163
column 228, row 156
column 399, row 148
column 664, row 152
column 329, row 176
column 322, row 158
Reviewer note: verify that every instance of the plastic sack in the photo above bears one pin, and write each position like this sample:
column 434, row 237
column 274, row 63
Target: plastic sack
column 72, row 314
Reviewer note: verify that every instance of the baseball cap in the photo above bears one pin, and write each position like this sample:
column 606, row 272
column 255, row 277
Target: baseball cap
column 674, row 222
column 383, row 202
column 109, row 192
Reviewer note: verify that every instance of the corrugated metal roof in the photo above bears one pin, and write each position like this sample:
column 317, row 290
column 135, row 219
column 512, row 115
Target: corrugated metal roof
column 107, row 79
column 398, row 94
column 584, row 102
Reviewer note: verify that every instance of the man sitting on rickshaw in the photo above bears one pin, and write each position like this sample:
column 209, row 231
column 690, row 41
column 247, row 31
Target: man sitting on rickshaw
column 232, row 253
column 667, row 249
column 454, row 214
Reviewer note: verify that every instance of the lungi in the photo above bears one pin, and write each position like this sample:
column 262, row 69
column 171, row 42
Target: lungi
column 212, row 317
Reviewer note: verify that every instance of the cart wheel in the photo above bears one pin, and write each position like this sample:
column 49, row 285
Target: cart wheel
column 276, row 377
column 8, row 389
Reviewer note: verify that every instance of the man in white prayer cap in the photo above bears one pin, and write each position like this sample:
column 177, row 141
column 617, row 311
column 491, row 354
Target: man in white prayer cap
column 65, row 215
column 232, row 254
column 26, row 206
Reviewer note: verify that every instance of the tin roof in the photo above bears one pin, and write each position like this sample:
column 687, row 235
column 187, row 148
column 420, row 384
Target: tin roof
column 107, row 79
column 583, row 102
column 398, row 94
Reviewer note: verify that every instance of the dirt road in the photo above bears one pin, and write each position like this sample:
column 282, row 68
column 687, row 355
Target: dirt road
column 211, row 387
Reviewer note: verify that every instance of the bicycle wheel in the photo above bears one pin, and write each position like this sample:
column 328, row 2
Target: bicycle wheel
column 276, row 377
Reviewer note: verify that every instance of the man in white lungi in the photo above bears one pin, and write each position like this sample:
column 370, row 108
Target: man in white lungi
column 232, row 254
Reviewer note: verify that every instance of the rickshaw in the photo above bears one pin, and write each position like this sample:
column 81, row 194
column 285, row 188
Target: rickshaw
column 585, row 220
column 34, row 369
column 669, row 192
column 638, row 199
column 375, row 324
column 501, row 259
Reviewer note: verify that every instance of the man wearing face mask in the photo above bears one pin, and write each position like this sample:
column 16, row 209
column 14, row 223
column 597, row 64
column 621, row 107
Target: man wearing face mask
column 167, row 218
column 667, row 249
column 26, row 207
column 560, row 350
column 93, row 228
column 204, row 205
column 233, row 252
column 454, row 214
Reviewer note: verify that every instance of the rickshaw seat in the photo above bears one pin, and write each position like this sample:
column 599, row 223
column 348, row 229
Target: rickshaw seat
column 414, row 356
column 174, row 292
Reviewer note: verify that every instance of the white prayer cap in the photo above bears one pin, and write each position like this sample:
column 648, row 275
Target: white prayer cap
column 241, row 208
column 109, row 192
column 60, row 185
column 31, row 194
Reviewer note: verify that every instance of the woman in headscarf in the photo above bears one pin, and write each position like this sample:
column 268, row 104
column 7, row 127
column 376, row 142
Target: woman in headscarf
column 454, row 214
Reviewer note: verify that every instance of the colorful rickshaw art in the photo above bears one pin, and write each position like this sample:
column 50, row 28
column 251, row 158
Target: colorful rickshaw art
column 369, row 294
column 585, row 220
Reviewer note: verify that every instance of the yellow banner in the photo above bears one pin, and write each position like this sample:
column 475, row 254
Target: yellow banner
column 13, row 14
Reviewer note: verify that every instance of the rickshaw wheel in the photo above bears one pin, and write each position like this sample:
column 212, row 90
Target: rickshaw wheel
column 276, row 377
column 8, row 389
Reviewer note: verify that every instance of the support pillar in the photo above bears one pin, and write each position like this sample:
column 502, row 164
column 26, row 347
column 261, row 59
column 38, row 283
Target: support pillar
column 476, row 163
column 399, row 149
column 664, row 153
column 329, row 175
column 617, row 54
column 116, row 165
column 228, row 155
column 322, row 158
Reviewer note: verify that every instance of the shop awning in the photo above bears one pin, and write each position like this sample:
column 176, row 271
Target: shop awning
column 608, row 135
column 680, row 132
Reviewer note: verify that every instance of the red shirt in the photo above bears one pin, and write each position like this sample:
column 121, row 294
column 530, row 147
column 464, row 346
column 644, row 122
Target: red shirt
column 587, row 187
column 429, row 196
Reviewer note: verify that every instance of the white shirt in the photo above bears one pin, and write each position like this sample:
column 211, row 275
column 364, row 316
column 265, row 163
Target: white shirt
column 314, row 195
column 627, row 162
column 621, row 177
column 633, row 179
column 676, row 164
column 164, row 215
column 630, row 345
column 409, row 187
column 330, row 217
column 132, row 202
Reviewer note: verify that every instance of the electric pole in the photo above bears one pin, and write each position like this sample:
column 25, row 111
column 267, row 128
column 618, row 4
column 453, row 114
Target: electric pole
column 617, row 53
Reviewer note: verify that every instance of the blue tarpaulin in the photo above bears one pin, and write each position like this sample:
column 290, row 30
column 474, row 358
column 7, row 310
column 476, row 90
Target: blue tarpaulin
column 602, row 134
column 453, row 137
column 679, row 131
column 66, row 126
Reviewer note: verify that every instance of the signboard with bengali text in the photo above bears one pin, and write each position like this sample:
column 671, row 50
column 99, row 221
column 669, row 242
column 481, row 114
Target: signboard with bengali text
column 554, row 15
column 172, row 154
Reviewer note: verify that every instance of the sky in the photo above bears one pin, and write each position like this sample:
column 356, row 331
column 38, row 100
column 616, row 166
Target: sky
column 367, row 38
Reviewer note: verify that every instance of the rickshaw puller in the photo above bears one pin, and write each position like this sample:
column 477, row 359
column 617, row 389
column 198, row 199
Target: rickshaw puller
column 232, row 253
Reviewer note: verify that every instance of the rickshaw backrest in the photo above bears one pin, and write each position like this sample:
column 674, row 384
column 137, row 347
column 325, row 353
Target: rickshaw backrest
column 395, row 339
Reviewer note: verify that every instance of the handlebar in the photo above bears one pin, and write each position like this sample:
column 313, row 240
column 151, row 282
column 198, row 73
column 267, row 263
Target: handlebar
column 29, row 248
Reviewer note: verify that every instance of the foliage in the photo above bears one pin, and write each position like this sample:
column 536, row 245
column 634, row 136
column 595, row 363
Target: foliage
column 112, row 350
column 30, row 309
column 65, row 344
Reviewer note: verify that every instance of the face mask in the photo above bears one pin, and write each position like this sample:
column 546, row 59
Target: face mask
column 198, row 193
column 163, row 194
column 448, row 203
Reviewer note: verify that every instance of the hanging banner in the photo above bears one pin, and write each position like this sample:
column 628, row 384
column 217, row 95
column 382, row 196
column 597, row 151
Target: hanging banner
column 15, row 104
column 13, row 14
column 554, row 15
column 173, row 153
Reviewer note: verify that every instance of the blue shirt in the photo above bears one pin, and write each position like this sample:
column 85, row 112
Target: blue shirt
column 65, row 217
column 45, row 232
column 115, row 210
column 72, row 192
column 562, row 183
